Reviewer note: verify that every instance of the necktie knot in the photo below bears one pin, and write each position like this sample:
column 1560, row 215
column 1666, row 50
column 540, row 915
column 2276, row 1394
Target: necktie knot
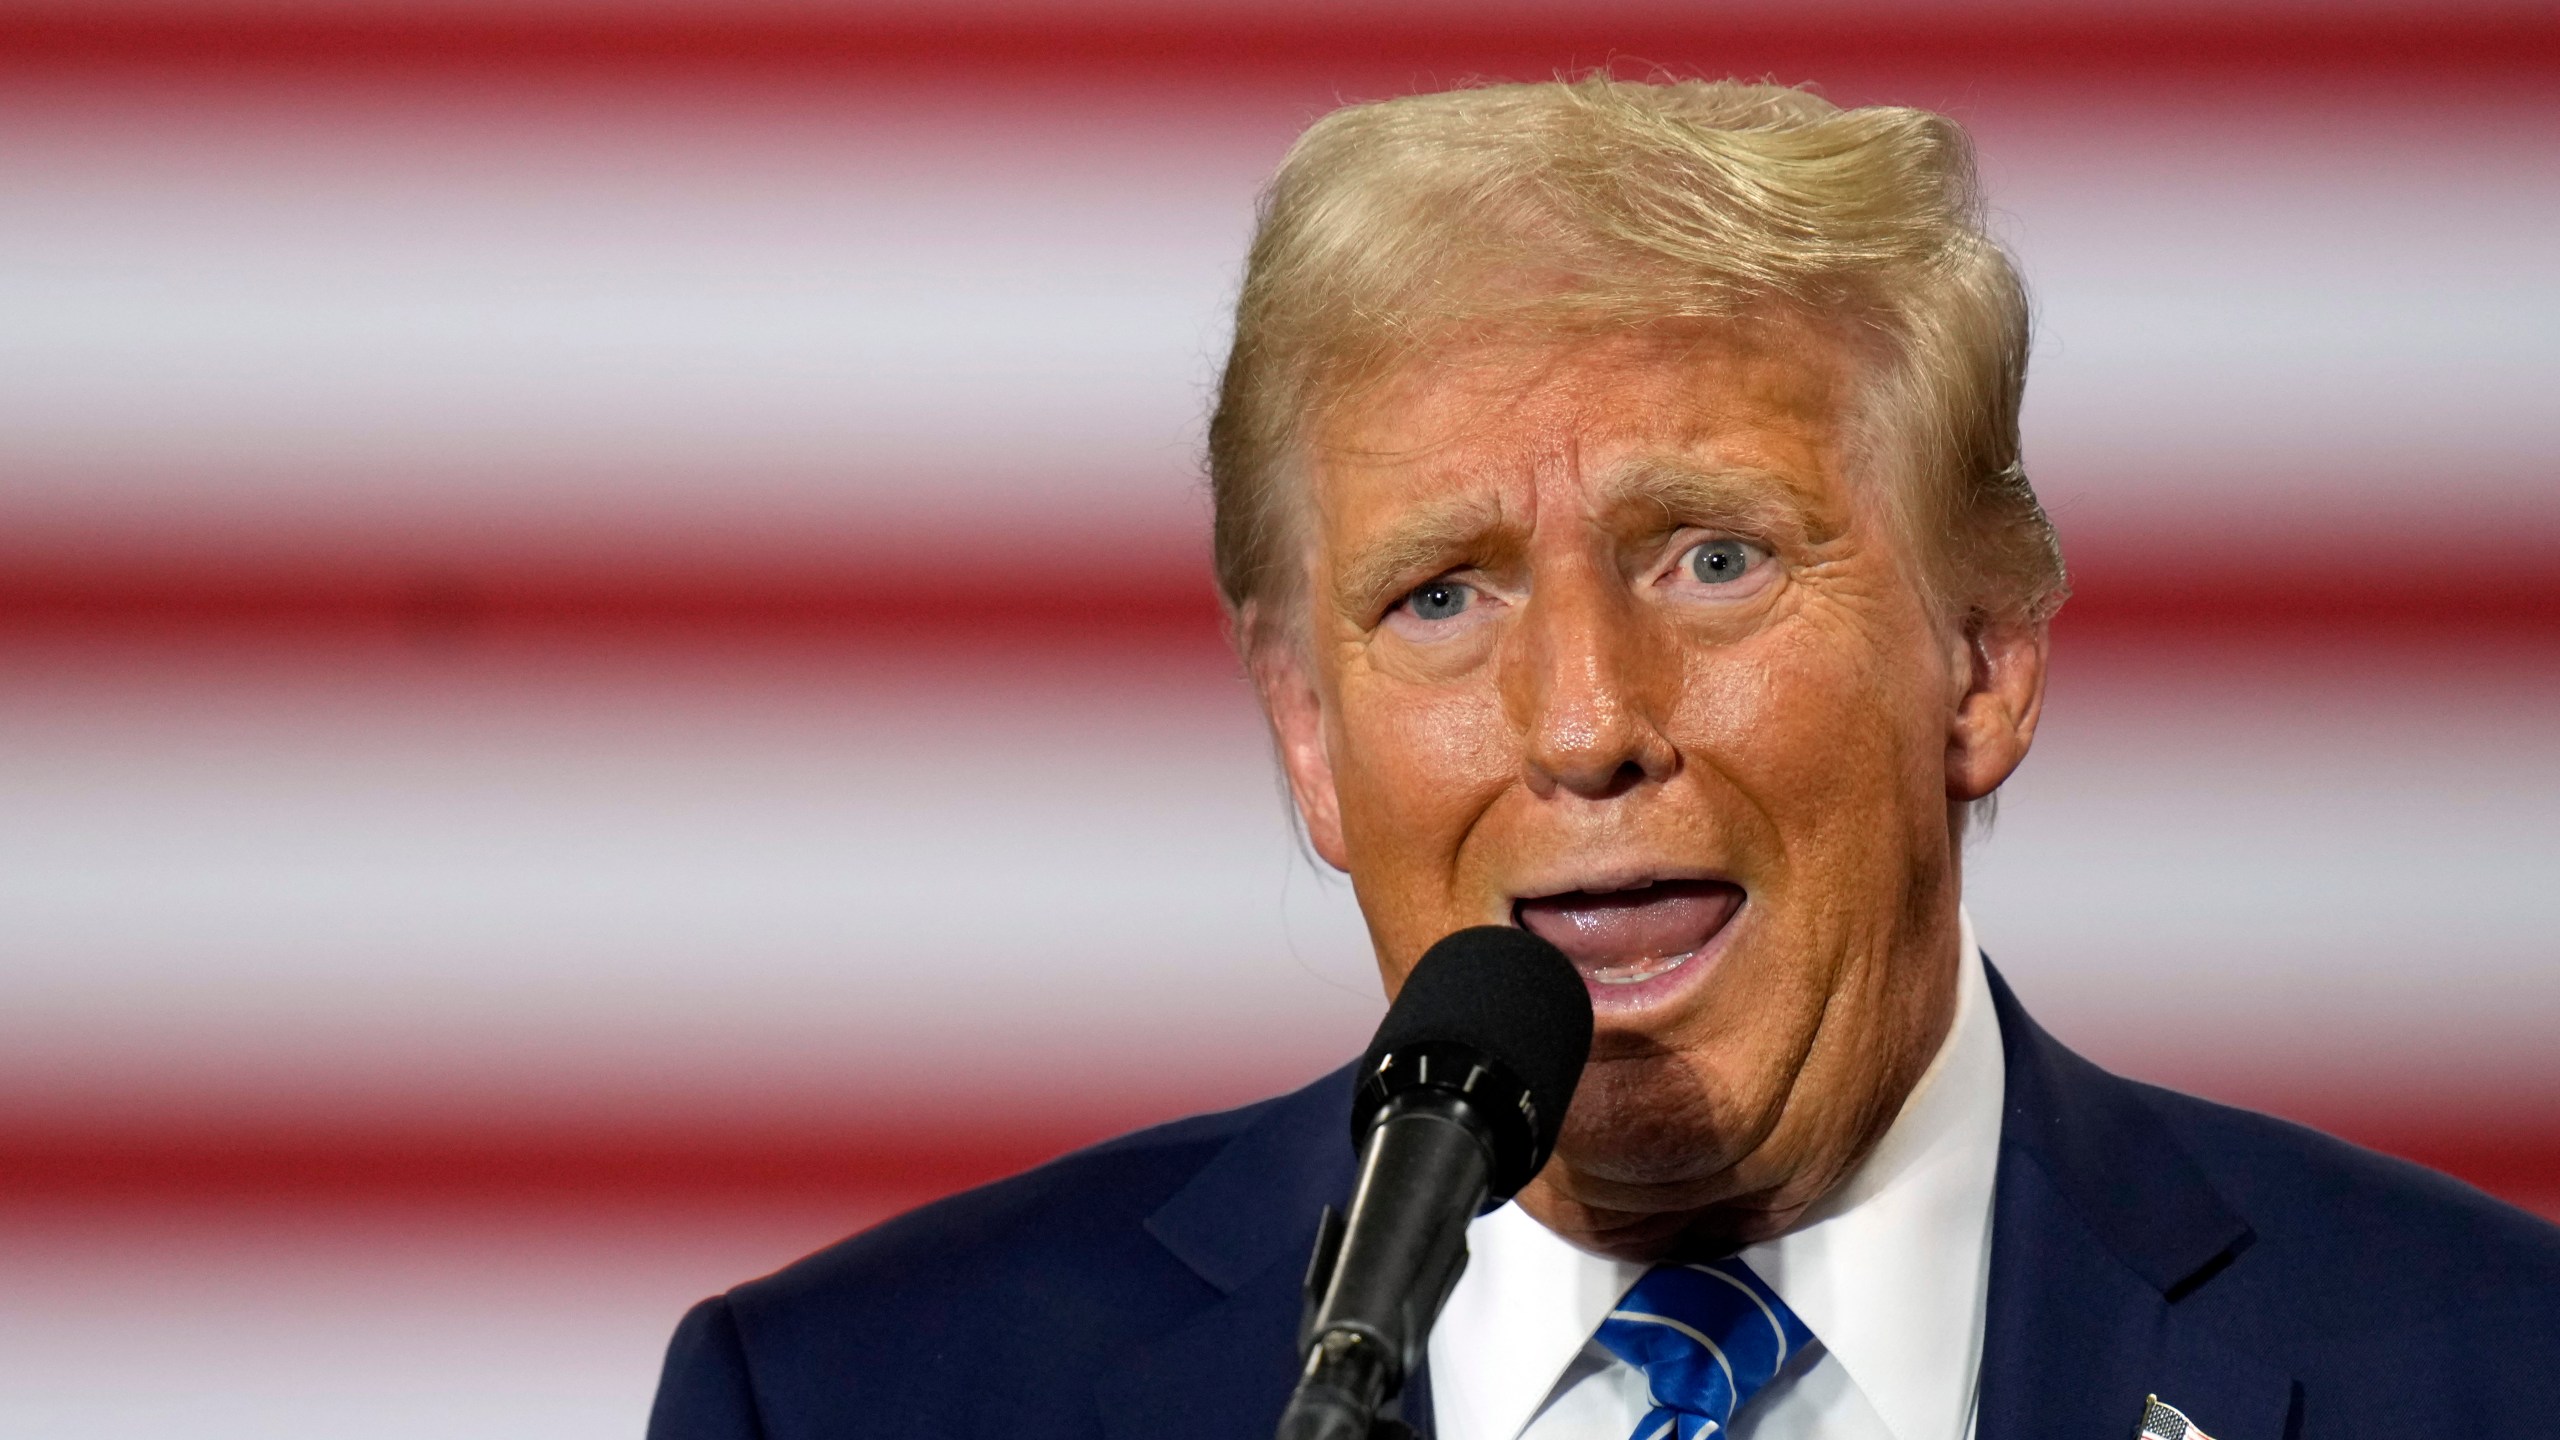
column 1707, row 1338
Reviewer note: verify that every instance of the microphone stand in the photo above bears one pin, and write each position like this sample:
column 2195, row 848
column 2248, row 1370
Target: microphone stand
column 1466, row 1085
column 1364, row 1326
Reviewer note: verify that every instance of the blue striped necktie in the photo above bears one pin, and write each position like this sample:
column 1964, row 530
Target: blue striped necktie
column 1707, row 1337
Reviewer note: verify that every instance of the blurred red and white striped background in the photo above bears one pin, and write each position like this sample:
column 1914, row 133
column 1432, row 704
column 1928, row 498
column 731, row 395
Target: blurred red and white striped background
column 607, row 668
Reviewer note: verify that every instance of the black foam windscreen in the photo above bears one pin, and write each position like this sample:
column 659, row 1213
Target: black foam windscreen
column 1501, row 994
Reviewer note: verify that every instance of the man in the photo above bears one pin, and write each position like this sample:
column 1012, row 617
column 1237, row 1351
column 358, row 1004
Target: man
column 1620, row 512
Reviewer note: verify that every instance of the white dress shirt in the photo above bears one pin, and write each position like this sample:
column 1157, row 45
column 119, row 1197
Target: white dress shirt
column 1890, row 1272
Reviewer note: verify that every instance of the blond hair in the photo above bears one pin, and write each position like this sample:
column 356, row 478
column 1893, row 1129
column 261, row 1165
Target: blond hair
column 1600, row 204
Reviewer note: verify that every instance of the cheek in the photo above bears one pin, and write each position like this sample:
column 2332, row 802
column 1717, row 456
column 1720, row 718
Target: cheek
column 1414, row 761
column 1415, row 769
column 1819, row 734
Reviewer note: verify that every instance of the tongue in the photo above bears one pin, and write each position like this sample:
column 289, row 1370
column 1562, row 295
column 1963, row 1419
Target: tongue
column 1599, row 932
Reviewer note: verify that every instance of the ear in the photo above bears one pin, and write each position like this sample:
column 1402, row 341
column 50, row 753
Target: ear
column 1294, row 705
column 2002, row 694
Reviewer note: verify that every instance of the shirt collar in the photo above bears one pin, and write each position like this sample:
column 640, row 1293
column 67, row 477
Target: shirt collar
column 1890, row 1270
column 1520, row 1314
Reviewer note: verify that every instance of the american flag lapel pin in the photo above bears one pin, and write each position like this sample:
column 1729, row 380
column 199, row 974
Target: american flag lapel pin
column 2167, row 1422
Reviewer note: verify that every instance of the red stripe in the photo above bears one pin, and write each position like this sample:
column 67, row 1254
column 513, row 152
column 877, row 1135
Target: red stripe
column 1156, row 601
column 2350, row 592
column 1150, row 604
column 282, row 1162
column 1393, row 46
column 2520, row 1161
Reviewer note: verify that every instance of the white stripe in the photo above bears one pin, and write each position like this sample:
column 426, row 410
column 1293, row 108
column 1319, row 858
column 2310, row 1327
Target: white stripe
column 1712, row 1348
column 1667, row 1427
column 1774, row 1327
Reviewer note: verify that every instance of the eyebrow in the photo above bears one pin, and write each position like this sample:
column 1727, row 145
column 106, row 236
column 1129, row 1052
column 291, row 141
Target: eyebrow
column 1428, row 539
column 1686, row 494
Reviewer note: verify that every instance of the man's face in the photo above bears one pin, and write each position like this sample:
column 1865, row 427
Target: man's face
column 1616, row 641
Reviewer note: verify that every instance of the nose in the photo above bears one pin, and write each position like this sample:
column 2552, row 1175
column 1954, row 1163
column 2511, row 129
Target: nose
column 1586, row 684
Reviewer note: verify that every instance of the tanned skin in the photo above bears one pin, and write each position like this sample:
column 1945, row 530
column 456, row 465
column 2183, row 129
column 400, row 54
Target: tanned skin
column 1517, row 678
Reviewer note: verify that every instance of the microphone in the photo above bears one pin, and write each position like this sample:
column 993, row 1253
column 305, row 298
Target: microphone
column 1461, row 1097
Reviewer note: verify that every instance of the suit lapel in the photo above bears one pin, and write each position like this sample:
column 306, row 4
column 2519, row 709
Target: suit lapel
column 2102, row 1227
column 1245, row 1224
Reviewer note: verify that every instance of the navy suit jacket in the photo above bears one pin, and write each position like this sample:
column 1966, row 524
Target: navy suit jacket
column 2271, row 1282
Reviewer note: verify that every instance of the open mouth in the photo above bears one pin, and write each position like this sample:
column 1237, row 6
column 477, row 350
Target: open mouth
column 1625, row 937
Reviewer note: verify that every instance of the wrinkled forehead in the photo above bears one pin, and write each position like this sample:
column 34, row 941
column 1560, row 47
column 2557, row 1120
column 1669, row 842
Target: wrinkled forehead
column 1764, row 414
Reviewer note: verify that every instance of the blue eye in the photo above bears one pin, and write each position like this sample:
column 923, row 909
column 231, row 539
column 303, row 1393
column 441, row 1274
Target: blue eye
column 1719, row 562
column 1439, row 600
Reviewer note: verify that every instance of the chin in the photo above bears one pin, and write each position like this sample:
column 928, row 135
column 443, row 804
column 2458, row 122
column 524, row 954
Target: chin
column 1694, row 1230
column 1648, row 1120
